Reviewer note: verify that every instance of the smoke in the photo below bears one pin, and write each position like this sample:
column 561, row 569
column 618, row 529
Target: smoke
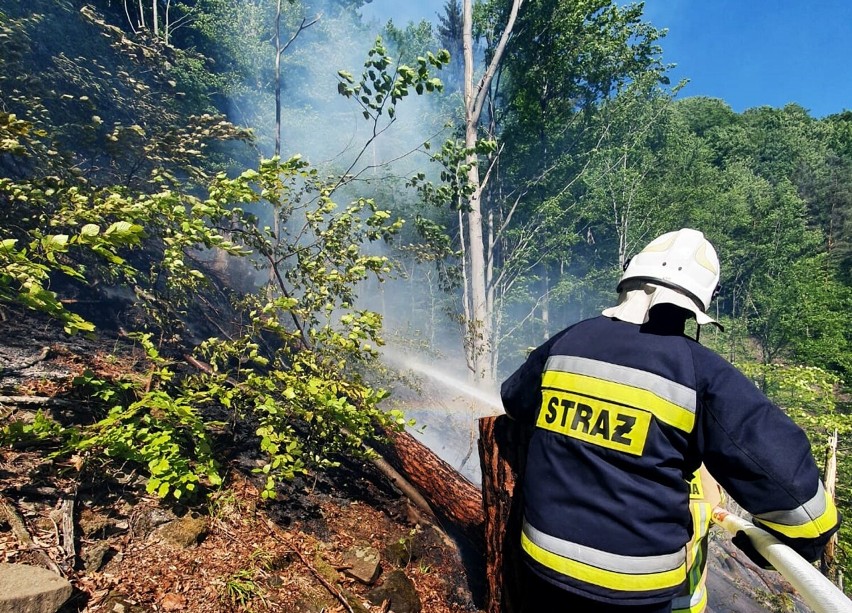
column 330, row 132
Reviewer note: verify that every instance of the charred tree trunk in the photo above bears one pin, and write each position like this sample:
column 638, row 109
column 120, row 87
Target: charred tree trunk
column 450, row 495
column 491, row 519
column 502, row 451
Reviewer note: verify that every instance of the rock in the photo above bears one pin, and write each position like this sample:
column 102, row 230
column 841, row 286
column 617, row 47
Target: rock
column 400, row 590
column 93, row 557
column 118, row 604
column 30, row 589
column 399, row 552
column 150, row 519
column 184, row 532
column 93, row 524
column 362, row 563
column 354, row 601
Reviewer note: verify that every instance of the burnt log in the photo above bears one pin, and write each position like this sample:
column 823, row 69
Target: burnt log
column 502, row 450
column 450, row 496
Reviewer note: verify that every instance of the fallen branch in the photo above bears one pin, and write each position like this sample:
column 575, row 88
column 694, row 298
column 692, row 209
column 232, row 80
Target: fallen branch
column 21, row 533
column 36, row 400
column 273, row 530
column 63, row 517
column 42, row 355
column 408, row 490
column 334, row 591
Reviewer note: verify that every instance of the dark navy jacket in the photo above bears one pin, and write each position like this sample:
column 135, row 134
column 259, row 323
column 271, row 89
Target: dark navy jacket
column 624, row 415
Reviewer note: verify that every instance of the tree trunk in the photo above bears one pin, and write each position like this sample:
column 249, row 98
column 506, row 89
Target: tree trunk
column 502, row 451
column 479, row 323
column 450, row 495
column 490, row 520
column 278, row 52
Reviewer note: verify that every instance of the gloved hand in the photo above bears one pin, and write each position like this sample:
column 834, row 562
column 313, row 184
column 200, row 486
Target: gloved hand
column 744, row 544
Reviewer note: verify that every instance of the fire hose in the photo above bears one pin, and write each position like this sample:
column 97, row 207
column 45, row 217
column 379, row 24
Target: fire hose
column 816, row 590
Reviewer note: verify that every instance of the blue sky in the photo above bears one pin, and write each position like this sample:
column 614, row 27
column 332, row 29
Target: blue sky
column 747, row 52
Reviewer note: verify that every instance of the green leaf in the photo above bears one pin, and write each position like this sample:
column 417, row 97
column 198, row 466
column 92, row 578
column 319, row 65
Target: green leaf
column 89, row 230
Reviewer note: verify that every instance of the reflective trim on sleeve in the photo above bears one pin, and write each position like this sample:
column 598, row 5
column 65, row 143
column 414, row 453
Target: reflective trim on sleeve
column 605, row 569
column 694, row 603
column 694, row 597
column 811, row 520
column 669, row 401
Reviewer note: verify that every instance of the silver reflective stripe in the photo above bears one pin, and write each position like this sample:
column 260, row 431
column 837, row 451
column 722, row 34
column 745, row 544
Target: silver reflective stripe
column 627, row 565
column 799, row 516
column 685, row 603
column 676, row 393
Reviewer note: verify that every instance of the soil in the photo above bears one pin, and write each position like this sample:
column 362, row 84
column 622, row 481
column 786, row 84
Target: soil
column 235, row 552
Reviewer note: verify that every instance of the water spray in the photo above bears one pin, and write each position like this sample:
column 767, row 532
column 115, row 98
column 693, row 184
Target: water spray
column 489, row 399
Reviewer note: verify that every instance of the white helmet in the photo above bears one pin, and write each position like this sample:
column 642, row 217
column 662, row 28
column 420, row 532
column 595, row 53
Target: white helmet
column 684, row 261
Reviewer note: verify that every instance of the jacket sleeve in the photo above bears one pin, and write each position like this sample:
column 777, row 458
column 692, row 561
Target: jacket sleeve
column 762, row 459
column 521, row 392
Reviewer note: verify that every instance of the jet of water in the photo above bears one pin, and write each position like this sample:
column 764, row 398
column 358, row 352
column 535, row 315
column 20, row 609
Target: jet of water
column 484, row 397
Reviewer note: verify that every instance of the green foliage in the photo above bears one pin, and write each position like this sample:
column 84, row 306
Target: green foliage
column 301, row 352
column 456, row 160
column 240, row 588
column 806, row 393
column 42, row 428
column 151, row 423
column 803, row 313
column 378, row 91
column 293, row 362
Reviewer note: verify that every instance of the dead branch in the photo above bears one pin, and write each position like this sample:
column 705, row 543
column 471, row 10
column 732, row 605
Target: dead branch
column 63, row 517
column 42, row 355
column 35, row 400
column 408, row 490
column 19, row 529
column 274, row 531
column 334, row 591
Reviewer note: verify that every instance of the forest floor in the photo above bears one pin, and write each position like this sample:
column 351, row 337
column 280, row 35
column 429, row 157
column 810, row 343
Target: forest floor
column 236, row 552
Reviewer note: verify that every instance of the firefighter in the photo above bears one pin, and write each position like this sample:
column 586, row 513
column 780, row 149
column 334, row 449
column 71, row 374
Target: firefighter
column 625, row 408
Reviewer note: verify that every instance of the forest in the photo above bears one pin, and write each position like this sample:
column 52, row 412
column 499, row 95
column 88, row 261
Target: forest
column 281, row 191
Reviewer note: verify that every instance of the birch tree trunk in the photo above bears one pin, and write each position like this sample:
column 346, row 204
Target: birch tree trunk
column 480, row 320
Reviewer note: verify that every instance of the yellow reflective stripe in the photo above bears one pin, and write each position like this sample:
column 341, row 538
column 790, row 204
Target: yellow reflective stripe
column 664, row 410
column 812, row 529
column 612, row 580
